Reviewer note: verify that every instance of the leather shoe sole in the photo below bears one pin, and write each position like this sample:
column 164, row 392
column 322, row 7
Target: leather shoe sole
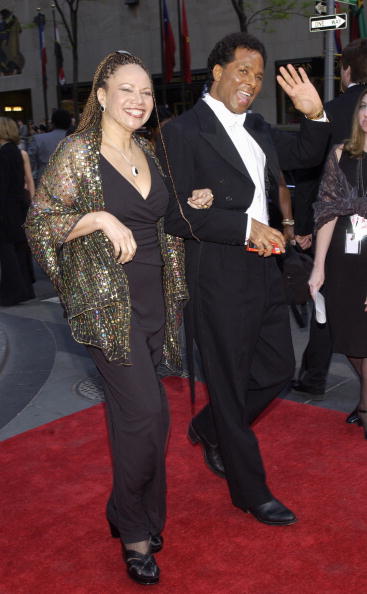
column 212, row 456
column 273, row 513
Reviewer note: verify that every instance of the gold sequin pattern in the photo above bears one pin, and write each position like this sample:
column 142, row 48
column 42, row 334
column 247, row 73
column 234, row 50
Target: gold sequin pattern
column 92, row 286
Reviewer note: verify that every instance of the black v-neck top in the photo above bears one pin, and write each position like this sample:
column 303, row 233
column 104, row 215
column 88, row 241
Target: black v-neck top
column 126, row 203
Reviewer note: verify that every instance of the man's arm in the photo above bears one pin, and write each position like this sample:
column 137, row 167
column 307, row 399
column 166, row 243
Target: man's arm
column 214, row 224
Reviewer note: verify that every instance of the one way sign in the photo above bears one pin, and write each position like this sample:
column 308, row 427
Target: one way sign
column 328, row 22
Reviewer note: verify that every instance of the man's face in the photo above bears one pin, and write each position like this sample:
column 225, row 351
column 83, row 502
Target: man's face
column 238, row 83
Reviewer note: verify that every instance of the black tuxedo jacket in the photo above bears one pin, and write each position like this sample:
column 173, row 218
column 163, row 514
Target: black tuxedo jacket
column 201, row 155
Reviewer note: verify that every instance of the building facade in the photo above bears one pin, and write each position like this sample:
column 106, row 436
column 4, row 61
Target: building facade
column 105, row 25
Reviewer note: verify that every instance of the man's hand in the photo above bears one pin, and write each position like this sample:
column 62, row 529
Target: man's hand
column 265, row 237
column 300, row 90
column 304, row 241
column 201, row 198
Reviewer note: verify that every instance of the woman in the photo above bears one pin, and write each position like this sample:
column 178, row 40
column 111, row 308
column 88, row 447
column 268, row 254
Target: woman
column 96, row 228
column 341, row 223
column 15, row 257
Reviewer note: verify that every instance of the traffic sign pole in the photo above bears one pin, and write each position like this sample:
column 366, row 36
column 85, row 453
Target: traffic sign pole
column 329, row 58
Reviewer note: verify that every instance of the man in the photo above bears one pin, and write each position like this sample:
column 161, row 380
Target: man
column 353, row 74
column 45, row 144
column 237, row 308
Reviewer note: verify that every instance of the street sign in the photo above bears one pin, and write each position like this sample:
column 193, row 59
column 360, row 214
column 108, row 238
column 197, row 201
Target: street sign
column 320, row 7
column 328, row 22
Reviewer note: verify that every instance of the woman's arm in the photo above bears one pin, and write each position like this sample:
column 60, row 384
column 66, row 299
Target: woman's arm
column 121, row 237
column 28, row 177
column 323, row 239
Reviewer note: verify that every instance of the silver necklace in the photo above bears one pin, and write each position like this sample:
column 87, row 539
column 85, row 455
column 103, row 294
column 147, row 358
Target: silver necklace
column 133, row 168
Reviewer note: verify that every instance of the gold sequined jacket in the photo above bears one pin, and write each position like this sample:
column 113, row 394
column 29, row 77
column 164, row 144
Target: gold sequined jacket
column 92, row 286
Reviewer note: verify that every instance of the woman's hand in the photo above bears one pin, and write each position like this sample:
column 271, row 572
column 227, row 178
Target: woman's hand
column 316, row 280
column 201, row 199
column 120, row 236
column 304, row 241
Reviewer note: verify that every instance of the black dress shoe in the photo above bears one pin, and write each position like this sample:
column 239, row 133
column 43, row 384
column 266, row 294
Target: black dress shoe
column 142, row 568
column 156, row 541
column 212, row 456
column 318, row 393
column 354, row 417
column 274, row 513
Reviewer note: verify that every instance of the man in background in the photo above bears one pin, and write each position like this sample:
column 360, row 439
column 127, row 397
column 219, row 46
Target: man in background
column 45, row 144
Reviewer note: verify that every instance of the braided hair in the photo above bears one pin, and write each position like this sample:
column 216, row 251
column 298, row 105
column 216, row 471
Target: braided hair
column 91, row 116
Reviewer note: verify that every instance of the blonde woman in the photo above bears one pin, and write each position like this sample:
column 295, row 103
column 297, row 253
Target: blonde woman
column 15, row 258
column 341, row 250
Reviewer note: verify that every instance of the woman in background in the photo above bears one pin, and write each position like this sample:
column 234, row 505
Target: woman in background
column 15, row 257
column 341, row 249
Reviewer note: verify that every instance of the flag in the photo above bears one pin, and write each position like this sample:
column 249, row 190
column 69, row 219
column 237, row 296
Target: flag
column 59, row 58
column 185, row 46
column 358, row 26
column 41, row 33
column 169, row 45
column 337, row 34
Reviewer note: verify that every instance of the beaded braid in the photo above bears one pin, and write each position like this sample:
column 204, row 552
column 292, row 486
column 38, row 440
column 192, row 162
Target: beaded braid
column 91, row 116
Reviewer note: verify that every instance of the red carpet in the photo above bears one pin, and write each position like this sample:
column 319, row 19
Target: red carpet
column 55, row 479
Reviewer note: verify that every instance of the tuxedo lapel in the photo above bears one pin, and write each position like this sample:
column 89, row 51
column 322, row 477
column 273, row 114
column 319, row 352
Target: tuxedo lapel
column 214, row 133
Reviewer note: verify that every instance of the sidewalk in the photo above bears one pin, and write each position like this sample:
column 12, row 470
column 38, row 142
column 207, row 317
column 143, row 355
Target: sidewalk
column 45, row 374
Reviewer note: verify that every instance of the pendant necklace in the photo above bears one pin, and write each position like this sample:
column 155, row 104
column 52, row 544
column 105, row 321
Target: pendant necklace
column 133, row 168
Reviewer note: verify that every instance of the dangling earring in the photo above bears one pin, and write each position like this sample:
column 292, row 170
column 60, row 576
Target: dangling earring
column 102, row 108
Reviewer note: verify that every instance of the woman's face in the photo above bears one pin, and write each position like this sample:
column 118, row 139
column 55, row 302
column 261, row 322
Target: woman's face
column 362, row 113
column 128, row 97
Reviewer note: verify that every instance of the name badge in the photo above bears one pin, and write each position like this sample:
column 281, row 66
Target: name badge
column 352, row 245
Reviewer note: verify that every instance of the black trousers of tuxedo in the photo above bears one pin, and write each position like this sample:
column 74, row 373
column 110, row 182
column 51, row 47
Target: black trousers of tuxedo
column 243, row 335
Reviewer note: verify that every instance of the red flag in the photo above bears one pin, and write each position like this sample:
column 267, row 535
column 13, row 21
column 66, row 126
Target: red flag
column 59, row 58
column 169, row 45
column 186, row 54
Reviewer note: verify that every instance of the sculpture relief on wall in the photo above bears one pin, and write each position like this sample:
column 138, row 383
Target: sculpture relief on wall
column 11, row 59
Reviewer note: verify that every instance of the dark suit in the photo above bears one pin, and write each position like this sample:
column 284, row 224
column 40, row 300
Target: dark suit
column 317, row 355
column 237, row 307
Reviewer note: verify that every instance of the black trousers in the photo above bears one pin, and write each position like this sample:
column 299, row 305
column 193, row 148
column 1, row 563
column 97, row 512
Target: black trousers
column 243, row 335
column 316, row 356
column 137, row 414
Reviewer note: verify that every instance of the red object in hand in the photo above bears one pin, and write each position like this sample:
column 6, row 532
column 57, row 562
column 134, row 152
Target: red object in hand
column 250, row 247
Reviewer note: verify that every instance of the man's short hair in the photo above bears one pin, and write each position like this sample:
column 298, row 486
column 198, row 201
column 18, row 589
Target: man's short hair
column 355, row 56
column 223, row 51
column 61, row 119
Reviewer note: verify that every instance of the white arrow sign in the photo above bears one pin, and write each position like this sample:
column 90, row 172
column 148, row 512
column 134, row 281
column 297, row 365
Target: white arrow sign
column 330, row 21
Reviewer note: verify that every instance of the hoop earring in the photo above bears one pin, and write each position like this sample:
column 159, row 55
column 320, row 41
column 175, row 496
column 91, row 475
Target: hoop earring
column 102, row 108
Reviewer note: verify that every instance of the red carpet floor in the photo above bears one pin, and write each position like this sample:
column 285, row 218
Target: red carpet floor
column 55, row 479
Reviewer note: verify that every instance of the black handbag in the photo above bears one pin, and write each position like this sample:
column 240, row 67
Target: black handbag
column 296, row 268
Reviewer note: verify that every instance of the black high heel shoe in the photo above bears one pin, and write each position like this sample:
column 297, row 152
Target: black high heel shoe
column 363, row 412
column 143, row 569
column 353, row 417
column 156, row 540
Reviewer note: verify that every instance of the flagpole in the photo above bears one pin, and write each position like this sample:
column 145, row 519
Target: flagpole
column 56, row 64
column 183, row 100
column 40, row 21
column 164, row 86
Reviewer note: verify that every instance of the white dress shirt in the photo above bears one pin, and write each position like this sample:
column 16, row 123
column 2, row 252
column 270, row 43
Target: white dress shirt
column 251, row 154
